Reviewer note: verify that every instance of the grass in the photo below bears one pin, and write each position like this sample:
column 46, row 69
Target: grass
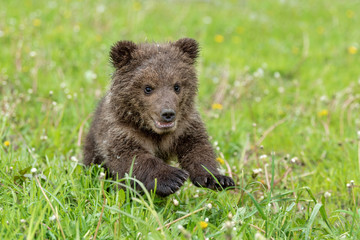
column 285, row 74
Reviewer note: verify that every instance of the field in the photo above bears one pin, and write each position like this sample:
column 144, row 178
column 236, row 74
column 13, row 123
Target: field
column 279, row 92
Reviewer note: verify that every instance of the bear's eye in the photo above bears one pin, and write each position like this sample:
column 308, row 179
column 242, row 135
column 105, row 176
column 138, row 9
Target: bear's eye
column 148, row 89
column 177, row 88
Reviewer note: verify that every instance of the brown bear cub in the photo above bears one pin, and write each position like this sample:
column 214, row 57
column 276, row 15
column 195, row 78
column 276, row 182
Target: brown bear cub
column 148, row 117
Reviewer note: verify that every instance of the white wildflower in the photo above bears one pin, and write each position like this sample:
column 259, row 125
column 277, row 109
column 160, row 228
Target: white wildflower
column 327, row 194
column 90, row 75
column 32, row 54
column 264, row 156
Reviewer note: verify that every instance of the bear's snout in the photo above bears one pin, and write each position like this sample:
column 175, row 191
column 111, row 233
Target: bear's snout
column 168, row 115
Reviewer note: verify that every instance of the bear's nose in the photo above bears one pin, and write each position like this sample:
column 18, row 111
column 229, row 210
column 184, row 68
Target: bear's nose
column 168, row 115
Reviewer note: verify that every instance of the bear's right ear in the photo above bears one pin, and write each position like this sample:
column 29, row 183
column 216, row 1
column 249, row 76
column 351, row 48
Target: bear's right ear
column 121, row 53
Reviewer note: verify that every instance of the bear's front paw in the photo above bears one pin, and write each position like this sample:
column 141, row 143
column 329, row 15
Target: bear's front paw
column 221, row 182
column 170, row 180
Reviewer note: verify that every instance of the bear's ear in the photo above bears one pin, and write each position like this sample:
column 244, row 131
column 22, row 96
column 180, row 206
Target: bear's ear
column 189, row 46
column 121, row 53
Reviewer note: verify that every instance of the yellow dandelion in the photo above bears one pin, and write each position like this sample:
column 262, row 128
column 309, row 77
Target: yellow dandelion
column 295, row 50
column 98, row 38
column 7, row 143
column 220, row 160
column 350, row 14
column 323, row 113
column 36, row 22
column 67, row 14
column 320, row 30
column 217, row 106
column 352, row 49
column 219, row 38
column 137, row 6
column 203, row 224
column 240, row 30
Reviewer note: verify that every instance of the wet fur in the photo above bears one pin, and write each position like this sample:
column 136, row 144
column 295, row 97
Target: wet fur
column 123, row 126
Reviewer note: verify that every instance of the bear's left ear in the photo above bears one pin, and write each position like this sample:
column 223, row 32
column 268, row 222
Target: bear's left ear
column 121, row 53
column 189, row 46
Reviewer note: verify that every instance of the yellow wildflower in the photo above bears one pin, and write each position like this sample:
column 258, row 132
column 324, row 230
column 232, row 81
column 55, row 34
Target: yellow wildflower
column 321, row 30
column 295, row 50
column 7, row 143
column 137, row 6
column 98, row 38
column 220, row 160
column 203, row 224
column 219, row 38
column 36, row 22
column 217, row 106
column 323, row 113
column 352, row 49
column 240, row 30
column 67, row 14
column 349, row 14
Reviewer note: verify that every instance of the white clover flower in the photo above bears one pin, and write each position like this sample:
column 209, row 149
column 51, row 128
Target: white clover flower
column 22, row 220
column 259, row 236
column 90, row 75
column 206, row 219
column 32, row 54
column 264, row 156
column 327, row 194
column 323, row 98
column 102, row 175
column 294, row 159
column 209, row 205
column 176, row 202
column 257, row 170
column 100, row 8
column 277, row 75
column 52, row 218
column 207, row 20
column 33, row 170
column 73, row 158
column 229, row 224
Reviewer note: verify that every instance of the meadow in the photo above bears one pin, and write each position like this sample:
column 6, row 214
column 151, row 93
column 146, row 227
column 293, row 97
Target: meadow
column 279, row 92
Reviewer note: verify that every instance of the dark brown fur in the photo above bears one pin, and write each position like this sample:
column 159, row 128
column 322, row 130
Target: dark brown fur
column 129, row 123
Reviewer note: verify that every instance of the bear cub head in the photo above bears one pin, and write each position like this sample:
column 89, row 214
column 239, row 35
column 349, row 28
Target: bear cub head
column 154, row 85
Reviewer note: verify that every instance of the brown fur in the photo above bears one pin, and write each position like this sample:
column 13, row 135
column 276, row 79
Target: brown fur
column 132, row 124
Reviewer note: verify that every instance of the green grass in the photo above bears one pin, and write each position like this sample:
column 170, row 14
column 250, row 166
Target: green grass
column 286, row 73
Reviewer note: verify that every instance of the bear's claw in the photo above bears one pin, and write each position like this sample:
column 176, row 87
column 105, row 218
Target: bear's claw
column 221, row 182
column 170, row 181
